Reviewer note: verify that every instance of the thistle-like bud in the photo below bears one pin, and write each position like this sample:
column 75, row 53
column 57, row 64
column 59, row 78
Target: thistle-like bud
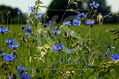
column 115, row 38
column 8, row 13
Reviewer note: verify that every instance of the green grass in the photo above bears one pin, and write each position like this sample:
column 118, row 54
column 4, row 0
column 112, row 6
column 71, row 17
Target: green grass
column 29, row 57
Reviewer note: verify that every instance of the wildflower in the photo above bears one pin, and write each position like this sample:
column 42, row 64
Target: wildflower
column 95, row 5
column 3, row 54
column 76, row 23
column 14, row 46
column 90, row 22
column 52, row 69
column 26, row 77
column 101, row 53
column 89, row 64
column 30, row 8
column 39, row 15
column 110, row 48
column 21, row 70
column 115, row 57
column 106, row 56
column 28, row 29
column 78, row 62
column 70, row 51
column 19, row 11
column 9, row 57
column 3, row 30
column 63, row 59
column 50, row 23
column 68, row 59
column 82, row 15
column 66, row 23
column 10, row 41
column 11, row 77
column 56, row 31
column 29, row 33
column 55, row 48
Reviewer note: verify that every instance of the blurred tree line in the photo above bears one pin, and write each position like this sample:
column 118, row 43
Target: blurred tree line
column 58, row 7
column 6, row 11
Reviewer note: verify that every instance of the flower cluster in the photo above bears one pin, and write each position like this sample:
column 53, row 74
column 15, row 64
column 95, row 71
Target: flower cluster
column 115, row 57
column 9, row 57
column 2, row 30
column 19, row 11
column 58, row 48
column 28, row 30
column 55, row 31
column 67, row 23
column 69, row 50
column 10, row 41
column 14, row 46
column 82, row 15
column 21, row 72
column 76, row 23
column 95, row 5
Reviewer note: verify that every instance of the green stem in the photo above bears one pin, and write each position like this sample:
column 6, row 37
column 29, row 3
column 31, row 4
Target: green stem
column 65, row 12
column 18, row 18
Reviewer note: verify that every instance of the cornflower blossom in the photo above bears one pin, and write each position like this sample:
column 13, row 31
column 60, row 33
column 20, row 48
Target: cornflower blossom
column 55, row 31
column 19, row 11
column 82, row 15
column 14, row 46
column 115, row 57
column 10, row 41
column 58, row 48
column 2, row 30
column 76, row 23
column 90, row 22
column 66, row 23
column 9, row 57
column 95, row 5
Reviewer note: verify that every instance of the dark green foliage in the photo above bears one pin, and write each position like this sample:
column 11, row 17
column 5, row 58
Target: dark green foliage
column 12, row 17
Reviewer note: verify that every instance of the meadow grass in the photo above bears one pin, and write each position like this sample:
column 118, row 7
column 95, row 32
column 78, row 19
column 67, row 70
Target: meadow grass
column 28, row 54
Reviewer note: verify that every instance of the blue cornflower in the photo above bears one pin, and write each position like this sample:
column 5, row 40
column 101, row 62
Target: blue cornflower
column 11, row 77
column 78, row 62
column 50, row 23
column 90, row 22
column 14, row 46
column 76, row 23
column 21, row 70
column 70, row 50
column 89, row 64
column 65, row 23
column 3, row 54
column 10, row 41
column 56, row 31
column 19, row 11
column 28, row 29
column 39, row 15
column 9, row 57
column 3, row 30
column 55, row 48
column 110, row 48
column 63, row 59
column 29, row 33
column 115, row 57
column 52, row 69
column 68, row 59
column 101, row 53
column 27, row 76
column 82, row 15
column 95, row 5
column 30, row 8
